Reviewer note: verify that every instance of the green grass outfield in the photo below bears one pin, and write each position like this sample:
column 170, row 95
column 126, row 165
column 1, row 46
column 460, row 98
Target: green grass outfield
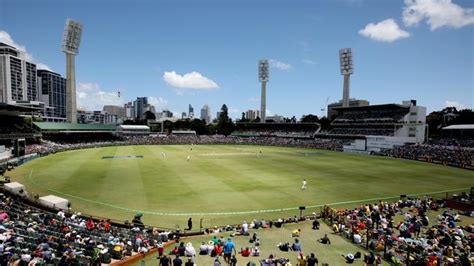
column 225, row 184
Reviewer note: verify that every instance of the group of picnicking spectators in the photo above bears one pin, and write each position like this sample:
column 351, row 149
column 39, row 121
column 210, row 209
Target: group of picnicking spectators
column 414, row 239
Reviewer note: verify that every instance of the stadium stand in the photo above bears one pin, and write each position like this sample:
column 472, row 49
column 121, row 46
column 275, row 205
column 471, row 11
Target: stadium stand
column 12, row 127
column 283, row 130
column 406, row 120
column 34, row 236
column 448, row 155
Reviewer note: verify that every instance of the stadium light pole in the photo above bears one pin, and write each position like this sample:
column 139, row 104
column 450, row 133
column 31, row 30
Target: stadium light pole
column 347, row 68
column 70, row 46
column 263, row 77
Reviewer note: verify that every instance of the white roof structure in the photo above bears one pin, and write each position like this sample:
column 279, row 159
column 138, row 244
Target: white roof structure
column 54, row 202
column 460, row 127
column 14, row 185
column 133, row 127
column 15, row 188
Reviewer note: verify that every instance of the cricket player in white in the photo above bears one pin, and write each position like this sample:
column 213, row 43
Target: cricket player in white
column 303, row 187
column 188, row 158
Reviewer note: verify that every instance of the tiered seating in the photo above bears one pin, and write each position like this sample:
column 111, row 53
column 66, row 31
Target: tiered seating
column 381, row 120
column 14, row 127
column 33, row 234
column 284, row 130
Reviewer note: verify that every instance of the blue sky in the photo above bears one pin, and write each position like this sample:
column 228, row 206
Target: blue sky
column 413, row 49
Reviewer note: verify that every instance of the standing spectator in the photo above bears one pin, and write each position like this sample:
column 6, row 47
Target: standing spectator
column 177, row 261
column 190, row 224
column 228, row 248
column 312, row 260
column 165, row 261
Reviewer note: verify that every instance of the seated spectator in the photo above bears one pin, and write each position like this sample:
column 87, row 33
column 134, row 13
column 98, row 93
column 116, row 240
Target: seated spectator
column 245, row 252
column 284, row 247
column 357, row 238
column 203, row 249
column 296, row 246
column 315, row 224
column 255, row 252
column 296, row 233
column 269, row 261
column 325, row 240
column 349, row 258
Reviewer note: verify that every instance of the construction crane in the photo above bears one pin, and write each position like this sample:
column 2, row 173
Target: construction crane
column 324, row 107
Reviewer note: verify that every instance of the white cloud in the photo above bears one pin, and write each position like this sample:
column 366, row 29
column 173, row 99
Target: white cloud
column 233, row 111
column 159, row 102
column 7, row 39
column 280, row 65
column 308, row 62
column 91, row 97
column 438, row 13
column 384, row 31
column 192, row 80
column 458, row 105
column 43, row 66
column 254, row 99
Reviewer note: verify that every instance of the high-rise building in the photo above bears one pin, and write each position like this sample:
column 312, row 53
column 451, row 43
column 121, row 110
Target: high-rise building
column 166, row 114
column 17, row 76
column 96, row 117
column 183, row 115
column 190, row 111
column 206, row 114
column 140, row 106
column 52, row 91
column 252, row 114
column 129, row 110
column 119, row 111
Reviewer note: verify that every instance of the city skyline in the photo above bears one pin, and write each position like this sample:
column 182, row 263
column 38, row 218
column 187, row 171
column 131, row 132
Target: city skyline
column 216, row 63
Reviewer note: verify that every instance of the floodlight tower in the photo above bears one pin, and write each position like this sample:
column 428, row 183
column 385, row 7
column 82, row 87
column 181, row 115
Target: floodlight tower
column 70, row 46
column 263, row 77
column 345, row 57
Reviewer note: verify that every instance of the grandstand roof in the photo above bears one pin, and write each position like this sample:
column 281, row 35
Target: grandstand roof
column 142, row 127
column 58, row 127
column 460, row 127
column 372, row 107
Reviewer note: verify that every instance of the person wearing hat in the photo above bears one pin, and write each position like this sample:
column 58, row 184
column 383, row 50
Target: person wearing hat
column 203, row 250
column 229, row 247
column 349, row 258
column 210, row 247
column 190, row 252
